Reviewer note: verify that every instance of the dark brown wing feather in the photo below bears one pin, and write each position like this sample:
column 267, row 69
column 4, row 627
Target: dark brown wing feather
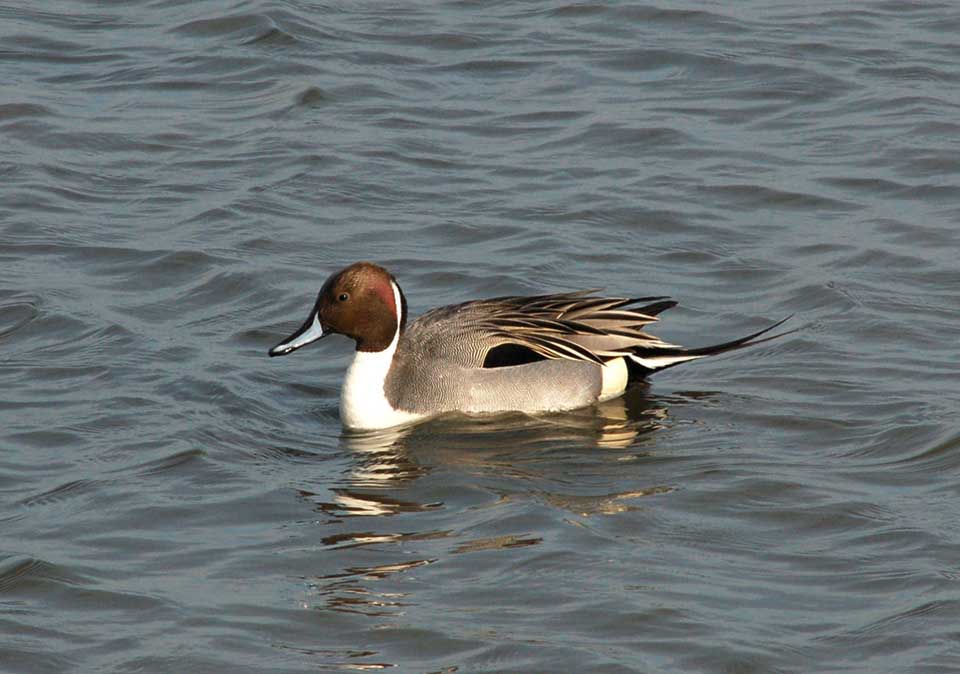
column 574, row 326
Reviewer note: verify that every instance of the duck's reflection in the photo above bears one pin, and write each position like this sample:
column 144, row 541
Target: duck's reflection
column 383, row 461
column 515, row 457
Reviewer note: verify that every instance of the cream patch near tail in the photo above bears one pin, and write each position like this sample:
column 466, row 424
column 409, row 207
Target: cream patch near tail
column 614, row 378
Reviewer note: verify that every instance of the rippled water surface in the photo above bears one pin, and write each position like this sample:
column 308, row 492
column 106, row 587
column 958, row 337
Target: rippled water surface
column 178, row 178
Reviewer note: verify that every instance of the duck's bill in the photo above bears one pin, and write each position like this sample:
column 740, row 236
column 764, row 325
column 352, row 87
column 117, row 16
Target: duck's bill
column 309, row 332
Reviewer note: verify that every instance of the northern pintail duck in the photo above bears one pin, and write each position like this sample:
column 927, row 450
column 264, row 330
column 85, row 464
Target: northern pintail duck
column 531, row 354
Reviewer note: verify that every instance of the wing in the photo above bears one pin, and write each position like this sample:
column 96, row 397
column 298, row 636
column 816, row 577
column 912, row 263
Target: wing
column 574, row 326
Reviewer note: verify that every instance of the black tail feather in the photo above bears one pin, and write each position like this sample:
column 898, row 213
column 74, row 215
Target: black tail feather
column 735, row 344
column 656, row 307
column 636, row 370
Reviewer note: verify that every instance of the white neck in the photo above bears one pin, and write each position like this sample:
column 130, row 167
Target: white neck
column 363, row 402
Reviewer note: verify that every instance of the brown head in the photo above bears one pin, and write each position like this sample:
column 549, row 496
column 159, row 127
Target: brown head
column 360, row 302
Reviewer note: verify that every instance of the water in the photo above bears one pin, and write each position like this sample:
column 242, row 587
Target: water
column 178, row 178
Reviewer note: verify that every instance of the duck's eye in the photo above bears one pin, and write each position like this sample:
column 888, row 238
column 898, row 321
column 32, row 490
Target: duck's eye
column 343, row 297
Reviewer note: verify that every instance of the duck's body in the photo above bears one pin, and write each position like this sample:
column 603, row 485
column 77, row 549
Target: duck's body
column 529, row 354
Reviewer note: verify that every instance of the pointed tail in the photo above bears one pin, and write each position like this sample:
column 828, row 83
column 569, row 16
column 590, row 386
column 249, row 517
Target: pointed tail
column 647, row 360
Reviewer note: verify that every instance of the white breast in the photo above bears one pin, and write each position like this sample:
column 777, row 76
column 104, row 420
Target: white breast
column 363, row 404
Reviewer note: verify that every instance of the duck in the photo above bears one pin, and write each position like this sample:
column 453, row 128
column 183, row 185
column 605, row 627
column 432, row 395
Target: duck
column 533, row 354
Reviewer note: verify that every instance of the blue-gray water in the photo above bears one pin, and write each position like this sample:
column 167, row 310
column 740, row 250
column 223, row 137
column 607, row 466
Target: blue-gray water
column 178, row 178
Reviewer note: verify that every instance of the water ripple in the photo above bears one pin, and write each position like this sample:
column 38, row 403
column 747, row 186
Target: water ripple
column 178, row 179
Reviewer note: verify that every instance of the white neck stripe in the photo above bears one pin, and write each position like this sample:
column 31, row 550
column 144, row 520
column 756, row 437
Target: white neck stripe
column 398, row 302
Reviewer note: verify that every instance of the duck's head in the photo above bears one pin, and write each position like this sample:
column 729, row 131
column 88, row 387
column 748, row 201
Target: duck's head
column 362, row 302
